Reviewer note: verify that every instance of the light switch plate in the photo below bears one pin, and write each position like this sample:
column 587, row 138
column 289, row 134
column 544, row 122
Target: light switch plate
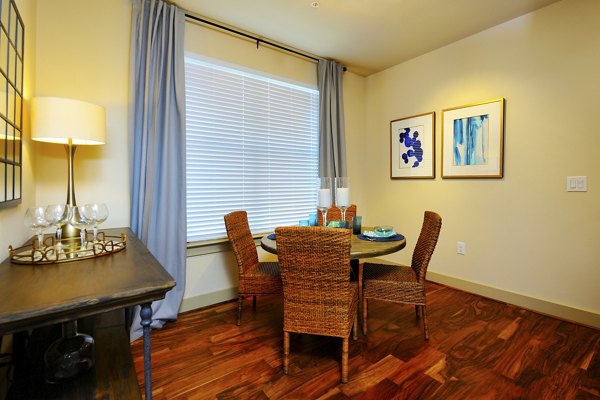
column 576, row 183
column 461, row 248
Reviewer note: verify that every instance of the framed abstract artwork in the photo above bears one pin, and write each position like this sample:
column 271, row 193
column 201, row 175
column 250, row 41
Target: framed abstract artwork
column 473, row 140
column 412, row 147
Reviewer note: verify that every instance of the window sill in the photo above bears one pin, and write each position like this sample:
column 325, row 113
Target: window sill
column 214, row 246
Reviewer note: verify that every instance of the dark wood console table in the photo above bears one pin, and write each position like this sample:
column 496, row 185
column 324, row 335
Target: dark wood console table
column 33, row 296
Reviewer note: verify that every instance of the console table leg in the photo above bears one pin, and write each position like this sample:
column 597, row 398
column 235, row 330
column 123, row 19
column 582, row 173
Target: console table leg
column 146, row 315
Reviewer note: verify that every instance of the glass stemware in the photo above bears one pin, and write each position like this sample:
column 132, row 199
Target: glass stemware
column 57, row 215
column 342, row 194
column 35, row 218
column 97, row 213
column 78, row 220
column 324, row 197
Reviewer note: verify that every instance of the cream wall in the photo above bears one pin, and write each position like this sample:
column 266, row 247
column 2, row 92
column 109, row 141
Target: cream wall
column 12, row 228
column 83, row 53
column 212, row 277
column 527, row 239
column 536, row 243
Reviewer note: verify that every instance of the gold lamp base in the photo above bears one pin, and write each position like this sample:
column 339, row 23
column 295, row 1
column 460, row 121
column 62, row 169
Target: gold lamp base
column 68, row 230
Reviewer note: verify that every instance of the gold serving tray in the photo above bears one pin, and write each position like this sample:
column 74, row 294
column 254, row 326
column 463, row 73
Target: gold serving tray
column 67, row 250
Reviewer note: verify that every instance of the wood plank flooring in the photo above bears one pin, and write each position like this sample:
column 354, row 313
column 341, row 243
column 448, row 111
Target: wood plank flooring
column 478, row 349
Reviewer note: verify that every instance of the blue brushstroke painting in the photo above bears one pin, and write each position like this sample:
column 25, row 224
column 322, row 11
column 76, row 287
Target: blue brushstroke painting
column 411, row 150
column 470, row 140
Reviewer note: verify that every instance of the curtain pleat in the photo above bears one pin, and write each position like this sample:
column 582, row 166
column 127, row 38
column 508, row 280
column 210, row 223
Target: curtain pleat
column 157, row 146
column 332, row 143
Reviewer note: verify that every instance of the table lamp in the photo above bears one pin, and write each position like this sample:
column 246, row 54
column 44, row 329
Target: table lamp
column 72, row 123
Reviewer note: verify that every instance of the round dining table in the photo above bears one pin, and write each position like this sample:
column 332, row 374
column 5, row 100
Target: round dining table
column 359, row 249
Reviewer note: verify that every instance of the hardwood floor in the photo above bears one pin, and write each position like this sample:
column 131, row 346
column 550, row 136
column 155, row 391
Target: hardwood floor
column 478, row 349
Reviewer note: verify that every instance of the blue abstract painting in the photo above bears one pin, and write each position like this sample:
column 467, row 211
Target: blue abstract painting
column 471, row 140
column 411, row 150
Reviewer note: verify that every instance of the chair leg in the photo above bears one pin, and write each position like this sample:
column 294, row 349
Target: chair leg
column 345, row 361
column 360, row 286
column 425, row 328
column 286, row 352
column 417, row 311
column 240, row 301
column 253, row 303
column 364, row 322
column 355, row 327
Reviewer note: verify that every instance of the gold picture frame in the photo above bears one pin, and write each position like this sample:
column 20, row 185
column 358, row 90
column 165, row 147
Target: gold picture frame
column 473, row 140
column 412, row 147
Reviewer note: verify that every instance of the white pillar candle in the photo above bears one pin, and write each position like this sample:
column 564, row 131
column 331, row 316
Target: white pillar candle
column 324, row 198
column 342, row 197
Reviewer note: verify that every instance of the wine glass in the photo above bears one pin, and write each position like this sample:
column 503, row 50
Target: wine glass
column 324, row 197
column 35, row 218
column 96, row 214
column 57, row 215
column 78, row 220
column 342, row 194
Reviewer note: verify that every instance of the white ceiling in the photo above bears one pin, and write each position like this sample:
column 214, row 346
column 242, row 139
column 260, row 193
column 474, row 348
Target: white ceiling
column 367, row 36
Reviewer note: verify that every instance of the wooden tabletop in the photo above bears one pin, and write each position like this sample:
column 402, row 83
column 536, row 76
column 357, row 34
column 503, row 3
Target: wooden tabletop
column 37, row 295
column 360, row 248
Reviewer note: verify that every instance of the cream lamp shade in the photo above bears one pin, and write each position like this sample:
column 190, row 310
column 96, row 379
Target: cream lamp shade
column 57, row 119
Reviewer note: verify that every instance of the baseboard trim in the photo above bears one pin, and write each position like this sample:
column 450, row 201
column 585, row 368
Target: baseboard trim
column 531, row 303
column 208, row 299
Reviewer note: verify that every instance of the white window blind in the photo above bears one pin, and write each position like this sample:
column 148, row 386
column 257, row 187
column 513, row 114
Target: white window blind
column 252, row 144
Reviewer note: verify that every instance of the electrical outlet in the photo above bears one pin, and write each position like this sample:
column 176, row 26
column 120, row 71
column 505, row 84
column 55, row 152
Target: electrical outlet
column 461, row 248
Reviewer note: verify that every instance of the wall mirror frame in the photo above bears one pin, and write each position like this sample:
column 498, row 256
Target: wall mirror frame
column 12, row 46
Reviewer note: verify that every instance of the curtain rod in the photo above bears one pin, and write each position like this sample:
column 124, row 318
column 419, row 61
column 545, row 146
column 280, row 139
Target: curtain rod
column 257, row 39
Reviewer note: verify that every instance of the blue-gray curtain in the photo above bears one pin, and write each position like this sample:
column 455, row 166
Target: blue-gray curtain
column 332, row 142
column 157, row 145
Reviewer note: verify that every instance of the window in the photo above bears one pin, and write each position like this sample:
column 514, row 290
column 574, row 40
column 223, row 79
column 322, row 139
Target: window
column 252, row 144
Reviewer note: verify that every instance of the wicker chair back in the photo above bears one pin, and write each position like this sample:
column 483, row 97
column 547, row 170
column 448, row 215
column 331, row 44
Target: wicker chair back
column 315, row 271
column 430, row 232
column 240, row 237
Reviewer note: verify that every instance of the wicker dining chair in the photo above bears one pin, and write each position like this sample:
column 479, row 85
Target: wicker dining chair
column 318, row 297
column 404, row 284
column 255, row 278
column 335, row 214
